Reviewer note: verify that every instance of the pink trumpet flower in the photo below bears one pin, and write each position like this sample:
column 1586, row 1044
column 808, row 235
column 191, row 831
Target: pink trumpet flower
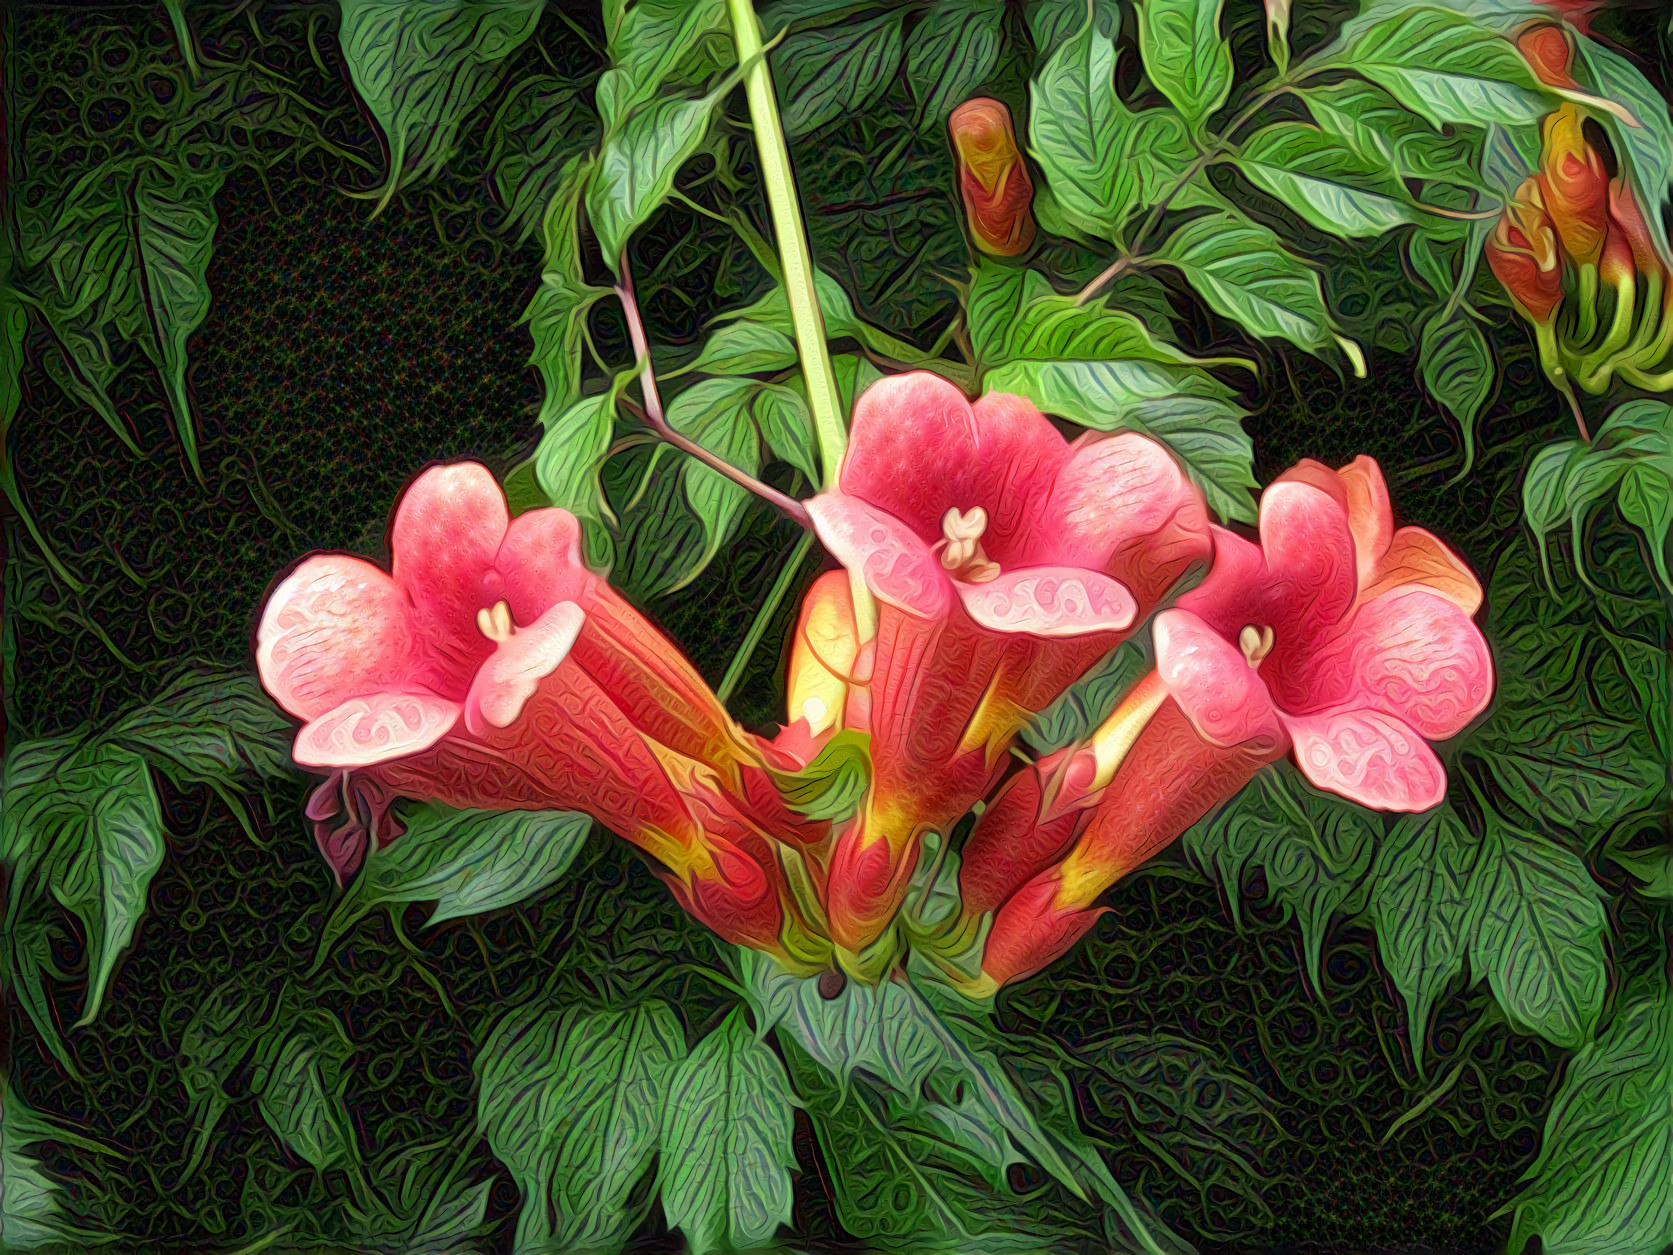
column 492, row 669
column 1004, row 561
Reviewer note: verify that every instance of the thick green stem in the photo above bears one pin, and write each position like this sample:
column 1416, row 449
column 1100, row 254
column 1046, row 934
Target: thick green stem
column 795, row 259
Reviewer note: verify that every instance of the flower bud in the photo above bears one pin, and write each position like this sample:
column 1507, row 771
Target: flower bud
column 1574, row 186
column 1546, row 48
column 1523, row 254
column 1626, row 221
column 993, row 178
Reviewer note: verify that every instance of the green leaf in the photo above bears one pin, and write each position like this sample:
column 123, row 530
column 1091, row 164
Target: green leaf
column 1539, row 935
column 1076, row 125
column 787, row 426
column 422, row 69
column 1244, row 272
column 773, row 310
column 571, row 450
column 557, row 314
column 174, row 228
column 745, row 348
column 952, row 51
column 1367, row 119
column 299, row 1078
column 1185, row 55
column 1648, row 147
column 1423, row 907
column 571, row 1102
column 834, row 784
column 715, row 413
column 834, row 71
column 1203, row 432
column 725, row 1144
column 1457, row 367
column 1444, row 66
column 211, row 728
column 1086, row 703
column 1314, row 848
column 224, row 1027
column 659, row 45
column 641, row 155
column 1603, row 1182
column 1323, row 180
column 33, row 1211
column 544, row 127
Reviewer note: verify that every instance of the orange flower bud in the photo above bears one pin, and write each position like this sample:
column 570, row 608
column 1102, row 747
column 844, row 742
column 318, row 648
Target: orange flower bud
column 993, row 178
column 1626, row 220
column 1546, row 48
column 1523, row 254
column 1574, row 185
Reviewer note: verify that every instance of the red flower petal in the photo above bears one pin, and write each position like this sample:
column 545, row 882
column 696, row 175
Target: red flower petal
column 1370, row 516
column 1028, row 453
column 514, row 671
column 540, row 562
column 1051, row 601
column 1417, row 559
column 1368, row 757
column 447, row 531
column 896, row 563
column 335, row 629
column 1221, row 694
column 374, row 729
column 1311, row 568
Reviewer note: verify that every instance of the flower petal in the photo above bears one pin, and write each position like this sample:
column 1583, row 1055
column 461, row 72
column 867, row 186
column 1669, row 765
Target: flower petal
column 1049, row 601
column 1235, row 592
column 913, row 452
column 1026, row 454
column 1312, row 575
column 1415, row 557
column 895, row 562
column 1368, row 757
column 336, row 628
column 375, row 729
column 540, row 563
column 1411, row 654
column 514, row 671
column 1370, row 517
column 447, row 531
column 1212, row 681
column 1120, row 504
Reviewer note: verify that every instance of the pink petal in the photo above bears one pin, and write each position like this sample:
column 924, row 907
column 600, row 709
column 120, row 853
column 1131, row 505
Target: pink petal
column 374, row 729
column 1370, row 517
column 913, row 452
column 1212, row 681
column 1049, row 601
column 1236, row 591
column 896, row 564
column 1411, row 654
column 540, row 563
column 514, row 671
column 1368, row 757
column 447, row 531
column 1312, row 576
column 1027, row 452
column 1416, row 558
column 1122, row 505
column 335, row 629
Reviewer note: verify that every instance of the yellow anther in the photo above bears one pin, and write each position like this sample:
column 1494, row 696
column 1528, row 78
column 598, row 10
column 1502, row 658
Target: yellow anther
column 961, row 533
column 1256, row 643
column 495, row 624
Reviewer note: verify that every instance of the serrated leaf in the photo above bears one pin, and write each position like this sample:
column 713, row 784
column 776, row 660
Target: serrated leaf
column 1457, row 367
column 1648, row 147
column 1368, row 120
column 1244, row 272
column 1075, row 128
column 542, row 129
column 1086, row 703
column 1539, row 935
column 1323, row 180
column 725, row 1142
column 557, row 313
column 952, row 51
column 224, row 1028
column 211, row 727
column 1603, row 1182
column 636, row 166
column 1423, row 908
column 1313, row 847
column 1185, row 55
column 33, row 1211
column 773, row 310
column 571, row 1102
column 715, row 413
column 174, row 231
column 1444, row 66
column 299, row 1079
column 657, row 45
column 570, row 452
column 825, row 74
column 1179, row 407
column 786, row 425
column 422, row 69
column 745, row 348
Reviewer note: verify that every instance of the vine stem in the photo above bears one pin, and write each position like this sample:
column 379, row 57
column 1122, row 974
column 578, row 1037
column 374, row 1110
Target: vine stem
column 653, row 417
column 763, row 616
column 794, row 256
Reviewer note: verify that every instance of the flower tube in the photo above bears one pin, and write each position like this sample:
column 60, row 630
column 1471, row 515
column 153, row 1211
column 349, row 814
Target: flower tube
column 993, row 178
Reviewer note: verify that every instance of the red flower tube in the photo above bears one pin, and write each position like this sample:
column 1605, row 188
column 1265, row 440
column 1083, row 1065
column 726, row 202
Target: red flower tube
column 993, row 178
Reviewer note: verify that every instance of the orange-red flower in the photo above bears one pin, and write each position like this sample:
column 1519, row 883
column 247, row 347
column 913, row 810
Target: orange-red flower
column 1523, row 254
column 1574, row 186
column 1546, row 48
column 993, row 179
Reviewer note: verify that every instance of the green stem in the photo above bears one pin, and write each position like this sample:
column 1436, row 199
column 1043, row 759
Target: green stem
column 793, row 251
column 1588, row 373
column 764, row 616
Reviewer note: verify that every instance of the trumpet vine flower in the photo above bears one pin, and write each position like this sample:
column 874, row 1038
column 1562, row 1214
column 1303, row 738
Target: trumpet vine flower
column 993, row 178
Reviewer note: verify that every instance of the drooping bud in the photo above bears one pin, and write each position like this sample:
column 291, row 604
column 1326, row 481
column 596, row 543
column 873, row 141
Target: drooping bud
column 1574, row 186
column 1523, row 254
column 993, row 179
column 1626, row 220
column 1546, row 48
